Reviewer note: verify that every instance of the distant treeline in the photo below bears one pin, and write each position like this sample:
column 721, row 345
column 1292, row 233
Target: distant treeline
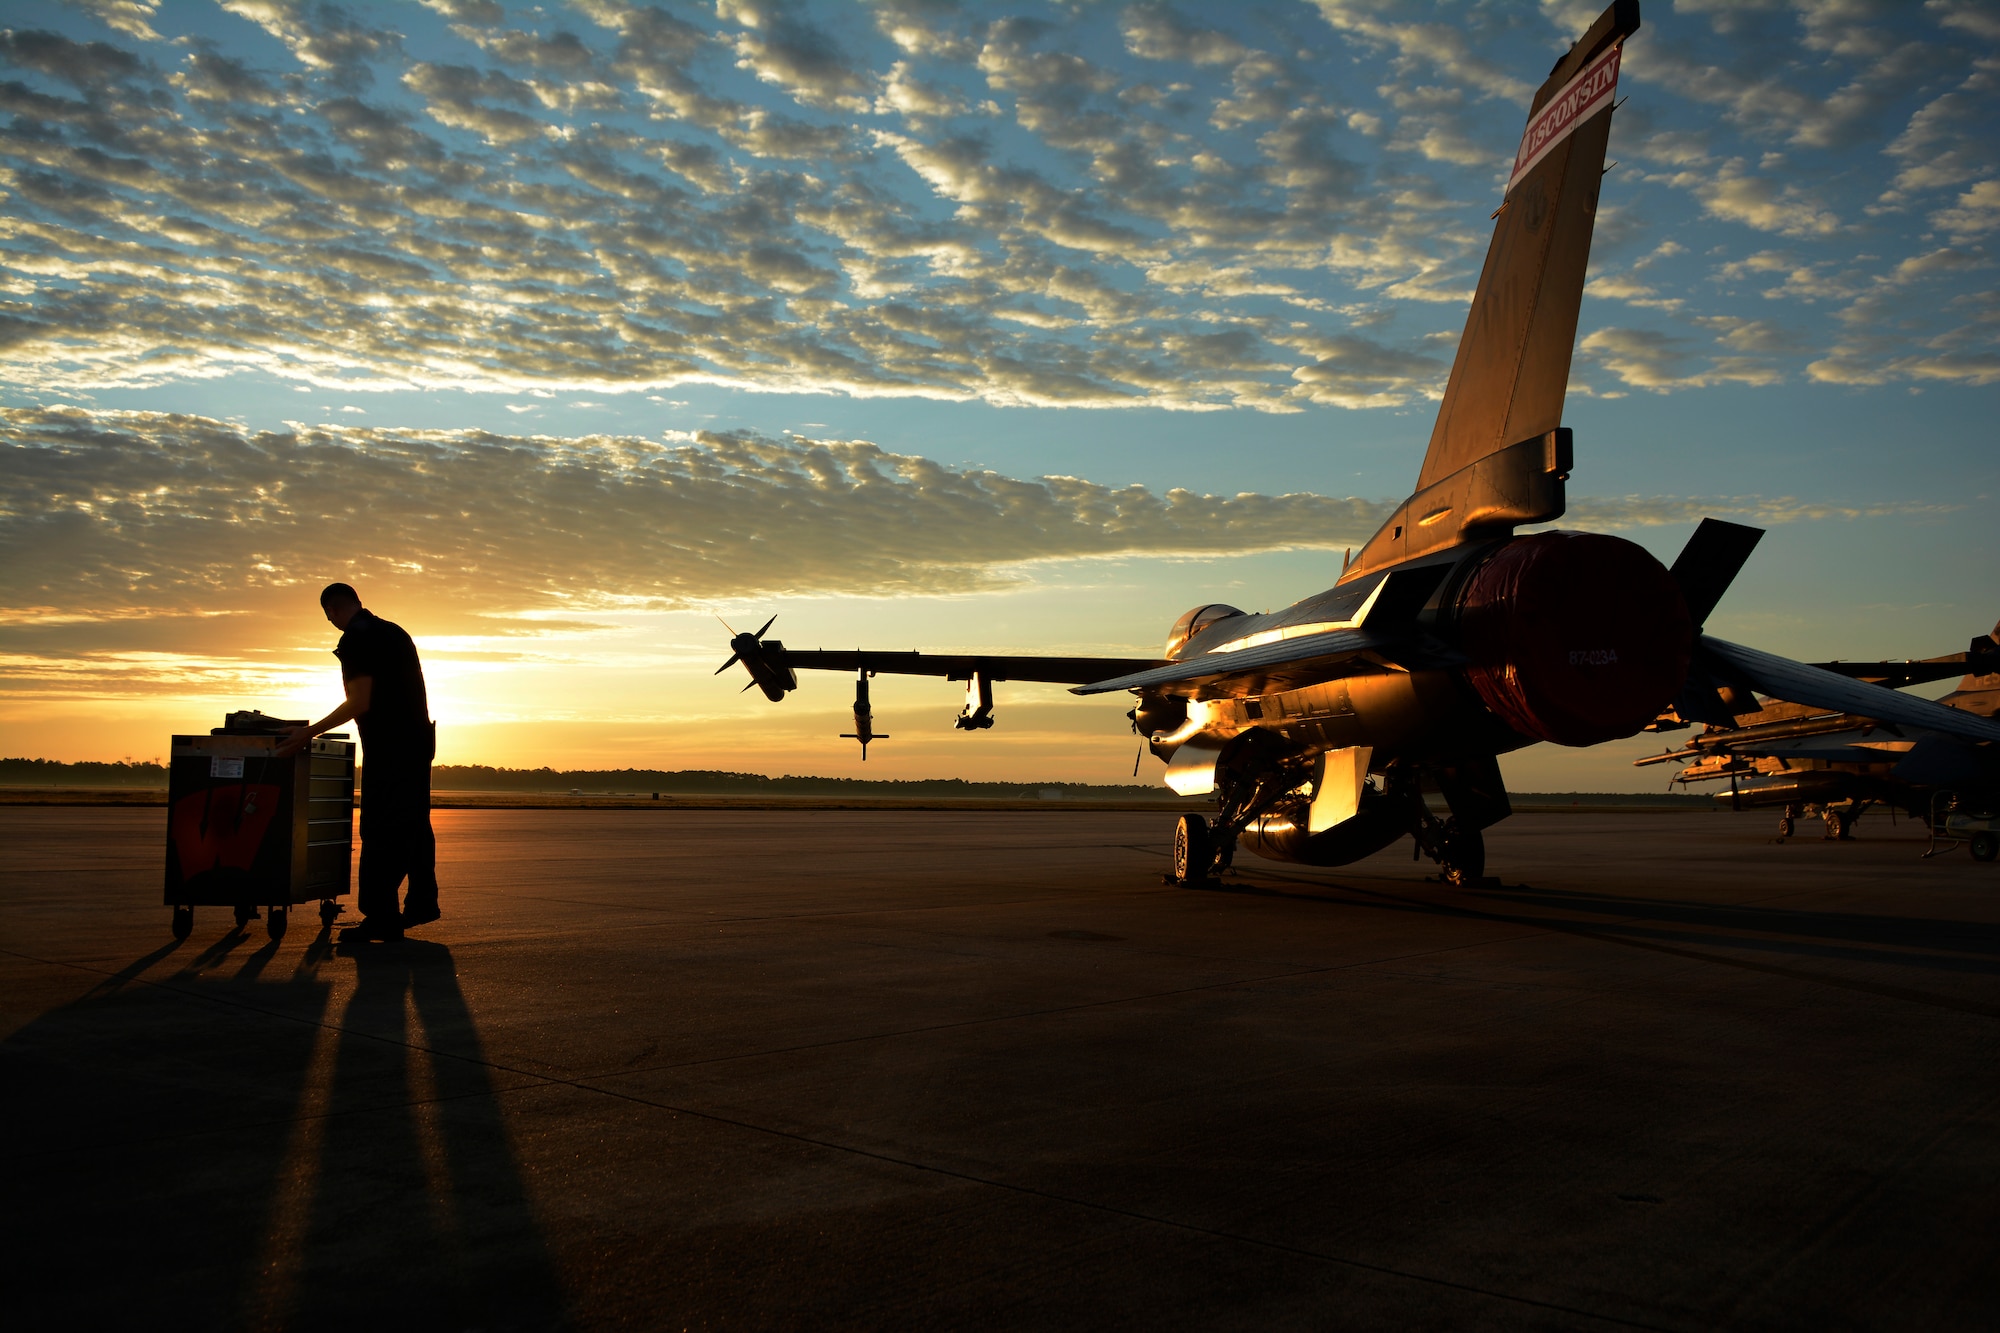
column 709, row 782
column 1539, row 798
column 55, row 773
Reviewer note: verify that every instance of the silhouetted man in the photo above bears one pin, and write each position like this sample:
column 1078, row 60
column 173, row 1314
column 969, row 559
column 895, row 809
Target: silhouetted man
column 385, row 697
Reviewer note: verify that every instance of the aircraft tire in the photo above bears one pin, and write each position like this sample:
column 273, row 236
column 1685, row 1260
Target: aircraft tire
column 1784, row 826
column 1194, row 851
column 275, row 921
column 183, row 922
column 1464, row 856
column 244, row 916
column 328, row 910
column 1984, row 846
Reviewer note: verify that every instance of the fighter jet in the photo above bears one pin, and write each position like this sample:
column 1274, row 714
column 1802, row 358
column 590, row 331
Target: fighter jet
column 1808, row 760
column 1450, row 639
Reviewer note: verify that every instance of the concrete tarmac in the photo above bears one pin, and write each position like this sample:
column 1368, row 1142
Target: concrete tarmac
column 839, row 1069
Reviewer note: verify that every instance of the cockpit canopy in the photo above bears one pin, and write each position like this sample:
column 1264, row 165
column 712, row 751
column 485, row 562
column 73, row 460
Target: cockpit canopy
column 1193, row 623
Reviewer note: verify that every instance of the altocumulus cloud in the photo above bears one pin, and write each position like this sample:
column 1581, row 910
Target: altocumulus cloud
column 1091, row 205
column 132, row 513
column 113, row 515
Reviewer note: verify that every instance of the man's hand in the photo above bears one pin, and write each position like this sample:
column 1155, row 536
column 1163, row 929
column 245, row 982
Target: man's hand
column 359, row 688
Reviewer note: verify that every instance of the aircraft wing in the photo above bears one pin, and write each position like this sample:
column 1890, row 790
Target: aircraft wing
column 1796, row 682
column 962, row 666
column 1283, row 664
column 1382, row 630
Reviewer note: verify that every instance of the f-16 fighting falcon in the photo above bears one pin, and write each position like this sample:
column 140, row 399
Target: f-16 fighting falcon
column 1805, row 758
column 1448, row 640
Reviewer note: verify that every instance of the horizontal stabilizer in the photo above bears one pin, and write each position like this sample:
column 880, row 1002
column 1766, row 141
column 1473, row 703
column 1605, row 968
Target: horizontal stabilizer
column 1795, row 682
column 1710, row 562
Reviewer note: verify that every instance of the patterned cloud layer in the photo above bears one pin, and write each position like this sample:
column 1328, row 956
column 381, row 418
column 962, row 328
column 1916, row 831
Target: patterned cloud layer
column 1078, row 205
column 116, row 515
column 136, row 513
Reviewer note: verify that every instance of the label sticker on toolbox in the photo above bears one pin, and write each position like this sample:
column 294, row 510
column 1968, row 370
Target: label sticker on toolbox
column 219, row 767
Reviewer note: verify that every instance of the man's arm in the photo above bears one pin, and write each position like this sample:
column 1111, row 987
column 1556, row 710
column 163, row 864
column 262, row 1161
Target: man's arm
column 359, row 688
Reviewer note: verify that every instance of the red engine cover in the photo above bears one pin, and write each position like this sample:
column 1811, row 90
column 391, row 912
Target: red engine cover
column 1574, row 637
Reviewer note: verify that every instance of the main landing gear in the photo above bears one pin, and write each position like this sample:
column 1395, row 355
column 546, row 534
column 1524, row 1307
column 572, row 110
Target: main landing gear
column 1256, row 779
column 1838, row 817
column 1460, row 853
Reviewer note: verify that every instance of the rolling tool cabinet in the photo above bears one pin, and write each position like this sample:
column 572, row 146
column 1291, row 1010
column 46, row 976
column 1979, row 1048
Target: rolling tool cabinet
column 247, row 829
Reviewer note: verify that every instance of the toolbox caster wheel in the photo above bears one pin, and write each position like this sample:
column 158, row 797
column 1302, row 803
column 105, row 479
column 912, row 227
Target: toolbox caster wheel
column 328, row 911
column 275, row 921
column 1985, row 846
column 183, row 922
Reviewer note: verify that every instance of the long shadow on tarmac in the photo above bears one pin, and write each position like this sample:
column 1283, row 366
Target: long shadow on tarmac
column 240, row 1155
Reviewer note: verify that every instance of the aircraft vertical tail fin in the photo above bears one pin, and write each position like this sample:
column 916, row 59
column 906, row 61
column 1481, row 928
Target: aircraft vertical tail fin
column 1499, row 454
column 1979, row 692
column 1512, row 368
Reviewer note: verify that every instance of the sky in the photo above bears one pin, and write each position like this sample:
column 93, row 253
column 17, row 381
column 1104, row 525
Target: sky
column 564, row 330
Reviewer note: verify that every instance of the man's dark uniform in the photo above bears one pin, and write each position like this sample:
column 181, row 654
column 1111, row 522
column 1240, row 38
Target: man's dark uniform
column 398, row 742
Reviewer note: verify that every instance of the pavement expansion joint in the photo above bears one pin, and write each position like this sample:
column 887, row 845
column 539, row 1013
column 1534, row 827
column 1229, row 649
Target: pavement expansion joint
column 1606, row 934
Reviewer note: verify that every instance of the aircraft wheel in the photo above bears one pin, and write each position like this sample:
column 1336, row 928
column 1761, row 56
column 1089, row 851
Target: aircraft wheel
column 1784, row 826
column 1464, row 856
column 1985, row 846
column 328, row 911
column 244, row 916
column 1832, row 820
column 183, row 922
column 275, row 921
column 1194, row 853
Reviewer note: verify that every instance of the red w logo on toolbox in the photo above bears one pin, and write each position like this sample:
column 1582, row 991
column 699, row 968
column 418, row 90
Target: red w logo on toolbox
column 222, row 826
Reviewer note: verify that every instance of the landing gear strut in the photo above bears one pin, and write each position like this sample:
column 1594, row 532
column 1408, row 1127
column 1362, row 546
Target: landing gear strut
column 1254, row 773
column 1258, row 775
column 1840, row 820
column 1460, row 852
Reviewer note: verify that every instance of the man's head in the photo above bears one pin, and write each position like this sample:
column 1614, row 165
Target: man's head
column 340, row 602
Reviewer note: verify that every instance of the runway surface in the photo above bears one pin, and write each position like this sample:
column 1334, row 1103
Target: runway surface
column 755, row 1069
